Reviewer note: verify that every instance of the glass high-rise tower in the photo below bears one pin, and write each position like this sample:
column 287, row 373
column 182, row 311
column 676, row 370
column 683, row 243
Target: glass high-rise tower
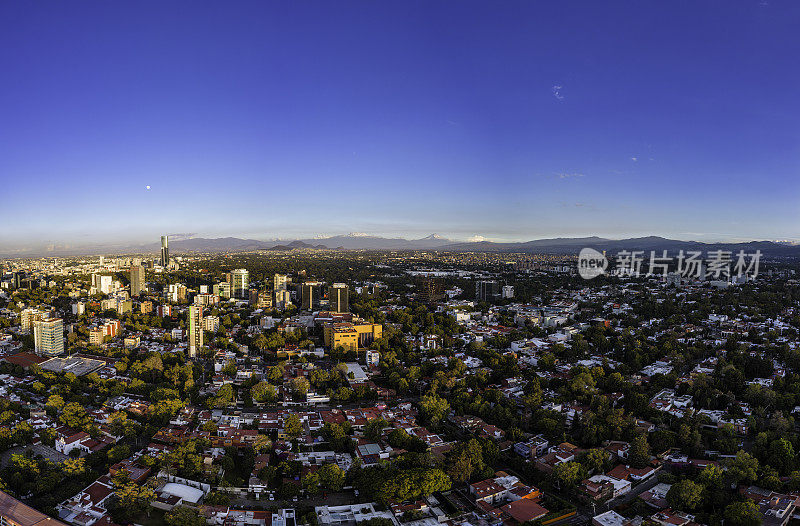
column 164, row 251
column 239, row 283
column 338, row 298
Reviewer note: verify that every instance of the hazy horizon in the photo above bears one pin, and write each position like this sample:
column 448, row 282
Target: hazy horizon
column 151, row 244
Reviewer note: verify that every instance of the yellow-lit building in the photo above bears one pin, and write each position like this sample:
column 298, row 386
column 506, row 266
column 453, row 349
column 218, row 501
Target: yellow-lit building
column 13, row 512
column 352, row 336
column 97, row 336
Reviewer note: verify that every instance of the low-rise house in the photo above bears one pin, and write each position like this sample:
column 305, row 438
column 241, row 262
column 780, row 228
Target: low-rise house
column 88, row 506
column 225, row 516
column 656, row 497
column 624, row 472
column 501, row 487
column 601, row 487
column 68, row 439
column 564, row 452
column 670, row 517
column 533, row 448
column 350, row 514
column 776, row 508
column 610, row 518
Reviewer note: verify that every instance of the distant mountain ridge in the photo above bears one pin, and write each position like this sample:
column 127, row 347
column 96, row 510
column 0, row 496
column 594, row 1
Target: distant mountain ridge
column 573, row 245
column 357, row 241
column 366, row 242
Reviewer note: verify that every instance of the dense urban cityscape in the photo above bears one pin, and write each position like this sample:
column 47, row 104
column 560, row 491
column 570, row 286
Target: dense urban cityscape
column 406, row 388
column 383, row 263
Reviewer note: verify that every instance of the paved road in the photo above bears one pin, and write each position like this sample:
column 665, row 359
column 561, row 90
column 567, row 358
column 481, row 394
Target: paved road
column 586, row 512
column 333, row 499
column 38, row 449
column 631, row 495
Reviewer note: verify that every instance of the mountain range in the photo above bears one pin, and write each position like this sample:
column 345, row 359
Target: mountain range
column 356, row 241
column 574, row 245
column 365, row 242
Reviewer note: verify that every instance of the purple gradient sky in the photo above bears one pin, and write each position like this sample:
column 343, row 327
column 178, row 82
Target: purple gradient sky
column 508, row 120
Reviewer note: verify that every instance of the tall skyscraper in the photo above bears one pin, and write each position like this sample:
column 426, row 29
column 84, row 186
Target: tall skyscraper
column 48, row 337
column 338, row 298
column 430, row 291
column 223, row 289
column 195, row 330
column 164, row 251
column 283, row 298
column 311, row 295
column 176, row 293
column 487, row 290
column 239, row 283
column 137, row 279
column 278, row 287
column 102, row 282
column 17, row 279
column 279, row 282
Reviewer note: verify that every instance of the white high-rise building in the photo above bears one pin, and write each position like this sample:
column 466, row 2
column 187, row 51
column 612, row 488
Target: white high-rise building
column 222, row 289
column 102, row 282
column 29, row 316
column 211, row 323
column 239, row 283
column 279, row 282
column 48, row 337
column 195, row 330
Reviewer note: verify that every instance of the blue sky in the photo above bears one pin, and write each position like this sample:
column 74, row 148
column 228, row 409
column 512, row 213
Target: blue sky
column 507, row 120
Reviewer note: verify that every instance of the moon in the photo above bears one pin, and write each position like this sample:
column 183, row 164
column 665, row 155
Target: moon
column 147, row 187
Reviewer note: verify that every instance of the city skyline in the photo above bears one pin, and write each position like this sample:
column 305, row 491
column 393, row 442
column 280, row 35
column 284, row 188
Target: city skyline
column 529, row 121
column 418, row 263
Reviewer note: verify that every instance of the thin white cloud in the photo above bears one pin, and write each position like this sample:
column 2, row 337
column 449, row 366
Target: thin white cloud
column 634, row 159
column 569, row 175
column 182, row 236
column 476, row 238
column 578, row 204
column 557, row 92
